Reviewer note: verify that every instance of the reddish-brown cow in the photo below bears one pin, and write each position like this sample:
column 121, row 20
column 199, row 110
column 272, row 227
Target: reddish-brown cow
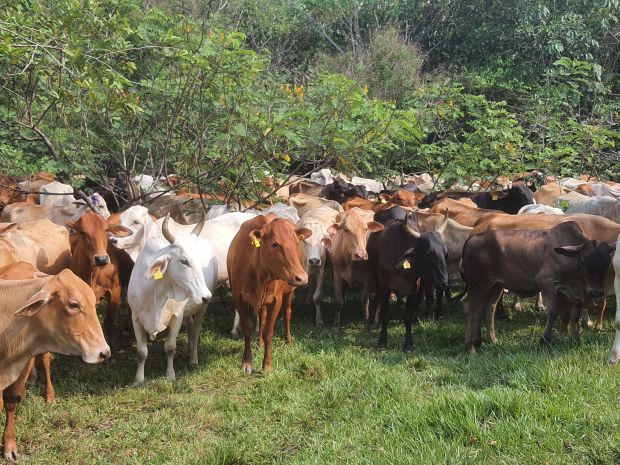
column 264, row 269
column 97, row 263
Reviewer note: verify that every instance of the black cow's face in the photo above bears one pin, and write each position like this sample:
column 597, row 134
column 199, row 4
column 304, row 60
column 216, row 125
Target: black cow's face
column 429, row 258
column 594, row 261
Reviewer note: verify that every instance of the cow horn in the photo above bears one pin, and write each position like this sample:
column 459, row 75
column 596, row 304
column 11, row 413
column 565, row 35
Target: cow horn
column 412, row 231
column 444, row 223
column 165, row 231
column 198, row 228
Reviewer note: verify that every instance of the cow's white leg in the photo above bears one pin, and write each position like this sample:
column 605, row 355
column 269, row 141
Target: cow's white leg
column 615, row 350
column 236, row 329
column 540, row 304
column 516, row 303
column 316, row 297
column 193, row 331
column 142, row 349
column 171, row 345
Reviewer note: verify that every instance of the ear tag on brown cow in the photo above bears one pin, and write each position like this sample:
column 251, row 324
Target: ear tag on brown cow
column 406, row 264
column 157, row 274
column 383, row 201
column 301, row 237
column 255, row 242
column 494, row 196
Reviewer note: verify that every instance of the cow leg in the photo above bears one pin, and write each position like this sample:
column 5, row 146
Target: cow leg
column 540, row 304
column 142, row 349
column 615, row 349
column 409, row 310
column 516, row 303
column 260, row 323
column 500, row 311
column 268, row 329
column 550, row 297
column 11, row 396
column 246, row 327
column 170, row 346
column 32, row 377
column 288, row 314
column 573, row 313
column 193, row 335
column 110, row 312
column 600, row 307
column 365, row 296
column 439, row 309
column 43, row 361
column 316, row 297
column 494, row 296
column 428, row 299
column 235, row 332
column 339, row 291
column 382, row 303
column 585, row 318
column 312, row 276
column 473, row 307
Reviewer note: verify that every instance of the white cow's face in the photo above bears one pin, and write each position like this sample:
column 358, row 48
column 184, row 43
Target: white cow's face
column 313, row 251
column 133, row 218
column 182, row 270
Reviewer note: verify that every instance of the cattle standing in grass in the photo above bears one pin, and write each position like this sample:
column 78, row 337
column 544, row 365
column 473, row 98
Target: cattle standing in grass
column 96, row 263
column 54, row 314
column 264, row 269
column 347, row 250
column 169, row 284
column 562, row 263
column 399, row 256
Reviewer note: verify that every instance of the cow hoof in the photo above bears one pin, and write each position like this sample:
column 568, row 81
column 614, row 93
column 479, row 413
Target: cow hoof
column 320, row 323
column 137, row 383
column 235, row 335
column 544, row 342
column 247, row 368
column 11, row 456
column 407, row 349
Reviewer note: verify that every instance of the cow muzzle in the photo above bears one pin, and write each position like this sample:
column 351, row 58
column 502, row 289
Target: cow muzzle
column 101, row 260
column 360, row 256
column 98, row 356
column 300, row 279
column 315, row 262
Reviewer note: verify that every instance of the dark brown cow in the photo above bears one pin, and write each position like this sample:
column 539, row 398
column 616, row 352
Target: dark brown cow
column 509, row 200
column 562, row 263
column 264, row 269
column 96, row 262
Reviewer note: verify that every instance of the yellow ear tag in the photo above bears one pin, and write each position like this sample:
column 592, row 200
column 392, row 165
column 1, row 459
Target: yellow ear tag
column 406, row 264
column 342, row 195
column 383, row 201
column 157, row 274
column 494, row 197
column 255, row 242
column 301, row 237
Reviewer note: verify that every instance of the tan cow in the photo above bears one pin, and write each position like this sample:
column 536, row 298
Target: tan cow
column 41, row 243
column 23, row 211
column 546, row 195
column 461, row 213
column 347, row 248
column 304, row 203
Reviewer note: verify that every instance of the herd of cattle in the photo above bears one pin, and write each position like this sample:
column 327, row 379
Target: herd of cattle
column 60, row 256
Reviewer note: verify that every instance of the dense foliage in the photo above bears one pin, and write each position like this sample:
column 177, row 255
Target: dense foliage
column 226, row 92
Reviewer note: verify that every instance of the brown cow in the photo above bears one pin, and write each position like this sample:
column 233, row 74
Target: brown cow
column 366, row 204
column 41, row 243
column 54, row 314
column 562, row 263
column 264, row 269
column 97, row 263
column 547, row 194
column 595, row 227
column 402, row 197
column 347, row 249
column 585, row 189
column 17, row 391
column 463, row 214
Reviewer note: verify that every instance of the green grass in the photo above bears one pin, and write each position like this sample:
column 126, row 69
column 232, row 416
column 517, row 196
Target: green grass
column 333, row 398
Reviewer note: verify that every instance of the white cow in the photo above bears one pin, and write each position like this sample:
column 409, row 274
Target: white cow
column 602, row 206
column 170, row 282
column 615, row 350
column 535, row 209
column 56, row 194
column 149, row 186
column 322, row 177
column 370, row 184
column 314, row 252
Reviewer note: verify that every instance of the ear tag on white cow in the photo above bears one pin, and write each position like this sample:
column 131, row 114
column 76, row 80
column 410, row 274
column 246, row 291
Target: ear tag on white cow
column 301, row 237
column 383, row 201
column 494, row 197
column 255, row 242
column 406, row 264
column 157, row 274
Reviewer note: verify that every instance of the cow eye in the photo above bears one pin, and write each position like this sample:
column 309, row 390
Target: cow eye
column 136, row 222
column 274, row 244
column 184, row 261
column 74, row 304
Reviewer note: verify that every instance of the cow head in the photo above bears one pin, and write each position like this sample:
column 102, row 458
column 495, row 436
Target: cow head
column 65, row 308
column 352, row 231
column 134, row 218
column 92, row 239
column 429, row 255
column 313, row 251
column 179, row 266
column 594, row 260
column 401, row 197
column 278, row 242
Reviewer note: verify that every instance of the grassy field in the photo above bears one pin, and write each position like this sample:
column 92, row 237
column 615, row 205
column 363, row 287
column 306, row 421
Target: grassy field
column 333, row 398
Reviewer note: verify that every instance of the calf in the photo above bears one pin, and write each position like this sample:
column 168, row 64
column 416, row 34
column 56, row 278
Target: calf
column 399, row 256
column 347, row 249
column 96, row 263
column 169, row 283
column 54, row 314
column 264, row 269
column 562, row 263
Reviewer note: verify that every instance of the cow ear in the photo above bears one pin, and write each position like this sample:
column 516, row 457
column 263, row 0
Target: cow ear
column 568, row 250
column 71, row 225
column 374, row 226
column 119, row 230
column 303, row 233
column 79, row 203
column 384, row 197
column 34, row 304
column 333, row 229
column 158, row 268
column 327, row 242
column 7, row 227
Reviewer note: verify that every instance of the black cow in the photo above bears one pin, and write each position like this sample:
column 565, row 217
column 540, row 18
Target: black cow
column 562, row 263
column 398, row 257
column 509, row 200
column 341, row 191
